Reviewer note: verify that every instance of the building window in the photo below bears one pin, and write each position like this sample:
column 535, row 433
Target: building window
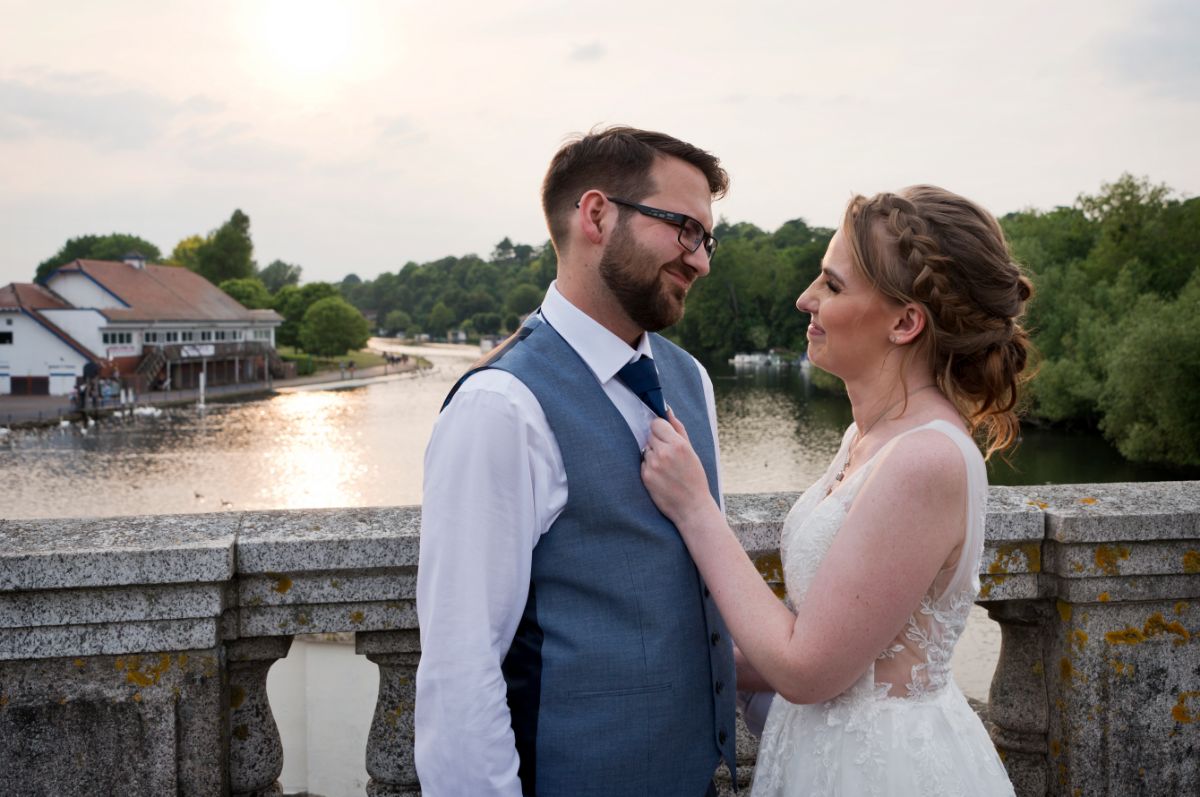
column 262, row 334
column 187, row 336
column 117, row 338
column 172, row 337
column 206, row 334
column 220, row 334
column 151, row 337
column 5, row 338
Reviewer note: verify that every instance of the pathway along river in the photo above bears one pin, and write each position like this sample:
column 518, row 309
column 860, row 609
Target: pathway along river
column 364, row 445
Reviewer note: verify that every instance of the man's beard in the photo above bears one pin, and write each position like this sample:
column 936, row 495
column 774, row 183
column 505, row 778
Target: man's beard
column 635, row 278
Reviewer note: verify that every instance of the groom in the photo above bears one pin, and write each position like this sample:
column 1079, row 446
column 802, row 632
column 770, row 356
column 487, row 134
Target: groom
column 568, row 644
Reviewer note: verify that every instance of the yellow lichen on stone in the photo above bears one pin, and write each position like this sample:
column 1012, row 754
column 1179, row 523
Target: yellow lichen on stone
column 237, row 695
column 770, row 567
column 1121, row 668
column 1038, row 669
column 282, row 582
column 1087, row 501
column 1180, row 712
column 1181, row 607
column 1126, row 636
column 1108, row 556
column 1158, row 625
column 1055, row 748
column 242, row 732
column 1039, row 504
column 79, row 664
column 1191, row 562
column 1064, row 610
column 1102, row 597
column 1080, row 638
column 357, row 617
column 137, row 697
column 1067, row 670
column 3, row 701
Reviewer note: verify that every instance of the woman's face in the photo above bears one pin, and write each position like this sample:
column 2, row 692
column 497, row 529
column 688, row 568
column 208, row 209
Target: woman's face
column 851, row 320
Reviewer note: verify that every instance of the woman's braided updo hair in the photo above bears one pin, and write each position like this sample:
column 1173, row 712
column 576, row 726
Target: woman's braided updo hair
column 946, row 254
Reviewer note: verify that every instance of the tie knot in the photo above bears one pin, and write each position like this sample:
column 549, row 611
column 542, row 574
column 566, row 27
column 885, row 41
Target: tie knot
column 641, row 377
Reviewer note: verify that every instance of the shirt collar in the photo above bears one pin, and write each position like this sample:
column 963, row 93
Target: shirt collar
column 600, row 349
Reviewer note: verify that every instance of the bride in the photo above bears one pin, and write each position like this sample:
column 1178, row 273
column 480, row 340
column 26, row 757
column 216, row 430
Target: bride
column 916, row 309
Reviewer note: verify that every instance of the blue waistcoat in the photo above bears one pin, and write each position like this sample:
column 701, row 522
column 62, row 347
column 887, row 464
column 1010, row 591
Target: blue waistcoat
column 620, row 675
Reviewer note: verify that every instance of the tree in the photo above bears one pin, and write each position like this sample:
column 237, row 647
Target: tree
column 441, row 318
column 332, row 326
column 397, row 321
column 1151, row 400
column 279, row 274
column 249, row 292
column 184, row 253
column 523, row 299
column 97, row 247
column 292, row 303
column 486, row 323
column 228, row 252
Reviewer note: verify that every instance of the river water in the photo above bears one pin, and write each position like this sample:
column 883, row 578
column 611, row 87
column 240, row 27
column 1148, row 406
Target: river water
column 362, row 445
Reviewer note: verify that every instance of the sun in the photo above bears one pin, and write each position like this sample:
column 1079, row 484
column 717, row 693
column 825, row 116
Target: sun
column 307, row 38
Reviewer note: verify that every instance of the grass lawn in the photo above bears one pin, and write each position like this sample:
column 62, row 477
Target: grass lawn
column 361, row 359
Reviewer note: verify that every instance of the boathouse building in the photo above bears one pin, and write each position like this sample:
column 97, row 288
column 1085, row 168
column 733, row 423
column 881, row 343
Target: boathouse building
column 154, row 326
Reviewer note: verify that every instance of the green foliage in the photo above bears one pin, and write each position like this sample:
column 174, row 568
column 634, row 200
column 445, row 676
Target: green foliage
column 440, row 319
column 747, row 302
column 227, row 253
column 1115, row 325
column 397, row 322
column 1151, row 401
column 249, row 292
column 523, row 299
column 292, row 303
column 279, row 274
column 332, row 326
column 184, row 253
column 97, row 247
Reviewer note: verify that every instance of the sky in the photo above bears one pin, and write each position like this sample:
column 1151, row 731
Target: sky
column 359, row 136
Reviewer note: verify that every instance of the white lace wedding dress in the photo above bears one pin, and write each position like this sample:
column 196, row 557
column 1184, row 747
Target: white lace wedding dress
column 903, row 728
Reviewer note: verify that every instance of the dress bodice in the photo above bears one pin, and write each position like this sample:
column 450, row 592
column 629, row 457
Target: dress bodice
column 917, row 660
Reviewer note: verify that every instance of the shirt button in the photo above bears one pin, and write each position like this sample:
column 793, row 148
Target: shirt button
column 721, row 737
column 718, row 686
column 716, row 638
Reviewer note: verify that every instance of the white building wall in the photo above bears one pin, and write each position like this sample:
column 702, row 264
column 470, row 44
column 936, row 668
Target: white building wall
column 81, row 291
column 35, row 351
column 84, row 326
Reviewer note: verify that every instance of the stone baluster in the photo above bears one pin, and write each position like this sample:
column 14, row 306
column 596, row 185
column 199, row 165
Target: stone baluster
column 1017, row 703
column 255, row 752
column 390, row 744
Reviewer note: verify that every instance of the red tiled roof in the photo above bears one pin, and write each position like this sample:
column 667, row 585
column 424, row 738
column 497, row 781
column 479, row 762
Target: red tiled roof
column 163, row 293
column 16, row 295
column 31, row 298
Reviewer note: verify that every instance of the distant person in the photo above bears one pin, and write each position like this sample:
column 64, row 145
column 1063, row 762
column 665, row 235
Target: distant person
column 568, row 645
column 918, row 310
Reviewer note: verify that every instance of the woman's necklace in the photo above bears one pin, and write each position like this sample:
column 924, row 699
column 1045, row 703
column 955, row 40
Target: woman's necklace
column 861, row 433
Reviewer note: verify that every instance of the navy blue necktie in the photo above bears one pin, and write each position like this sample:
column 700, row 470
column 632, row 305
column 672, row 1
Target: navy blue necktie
column 641, row 377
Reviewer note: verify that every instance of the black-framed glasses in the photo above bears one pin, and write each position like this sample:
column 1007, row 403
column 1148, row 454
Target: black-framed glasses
column 692, row 234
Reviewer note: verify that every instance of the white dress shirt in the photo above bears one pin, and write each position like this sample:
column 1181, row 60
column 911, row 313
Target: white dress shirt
column 494, row 484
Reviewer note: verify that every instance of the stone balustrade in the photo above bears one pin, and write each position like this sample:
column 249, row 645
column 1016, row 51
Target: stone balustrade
column 134, row 651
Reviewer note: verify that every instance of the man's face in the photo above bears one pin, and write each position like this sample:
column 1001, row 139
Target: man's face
column 644, row 266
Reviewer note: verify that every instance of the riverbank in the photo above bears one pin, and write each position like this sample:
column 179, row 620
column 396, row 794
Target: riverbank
column 17, row 412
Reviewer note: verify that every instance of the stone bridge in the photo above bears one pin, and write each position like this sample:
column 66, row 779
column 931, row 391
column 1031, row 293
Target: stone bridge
column 134, row 651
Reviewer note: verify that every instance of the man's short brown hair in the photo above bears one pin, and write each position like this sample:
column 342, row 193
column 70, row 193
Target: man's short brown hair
column 616, row 160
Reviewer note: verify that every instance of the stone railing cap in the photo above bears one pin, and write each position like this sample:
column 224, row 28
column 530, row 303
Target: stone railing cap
column 328, row 539
column 92, row 552
column 1083, row 513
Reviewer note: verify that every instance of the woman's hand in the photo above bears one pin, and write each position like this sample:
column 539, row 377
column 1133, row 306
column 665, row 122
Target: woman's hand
column 672, row 472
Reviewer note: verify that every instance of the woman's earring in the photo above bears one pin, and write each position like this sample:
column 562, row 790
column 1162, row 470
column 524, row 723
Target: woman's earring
column 892, row 338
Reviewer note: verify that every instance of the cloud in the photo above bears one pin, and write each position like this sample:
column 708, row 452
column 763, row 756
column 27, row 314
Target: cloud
column 400, row 129
column 1159, row 49
column 87, row 107
column 593, row 51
